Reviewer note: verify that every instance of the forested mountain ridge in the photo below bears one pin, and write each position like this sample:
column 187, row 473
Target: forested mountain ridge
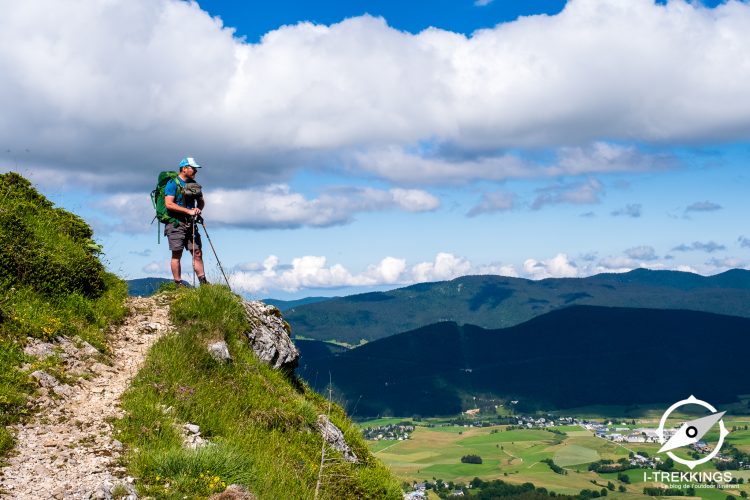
column 576, row 356
column 498, row 301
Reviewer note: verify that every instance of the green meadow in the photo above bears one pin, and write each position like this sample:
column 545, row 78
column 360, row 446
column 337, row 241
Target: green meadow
column 517, row 455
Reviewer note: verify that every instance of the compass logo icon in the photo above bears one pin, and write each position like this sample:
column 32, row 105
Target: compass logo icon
column 691, row 432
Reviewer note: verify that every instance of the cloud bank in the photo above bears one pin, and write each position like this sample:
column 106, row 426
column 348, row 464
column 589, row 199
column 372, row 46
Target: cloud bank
column 315, row 273
column 120, row 85
column 272, row 206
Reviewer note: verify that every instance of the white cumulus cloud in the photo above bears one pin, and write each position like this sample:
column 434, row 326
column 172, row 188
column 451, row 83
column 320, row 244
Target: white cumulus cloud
column 273, row 206
column 446, row 266
column 312, row 272
column 158, row 268
column 315, row 272
column 414, row 200
column 138, row 84
column 559, row 266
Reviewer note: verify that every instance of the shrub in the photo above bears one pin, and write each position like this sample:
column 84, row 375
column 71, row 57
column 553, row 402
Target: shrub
column 471, row 459
column 554, row 467
column 45, row 248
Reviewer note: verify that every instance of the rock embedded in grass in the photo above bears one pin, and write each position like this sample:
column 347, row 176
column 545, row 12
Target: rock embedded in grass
column 335, row 438
column 233, row 492
column 220, row 351
column 45, row 379
column 191, row 436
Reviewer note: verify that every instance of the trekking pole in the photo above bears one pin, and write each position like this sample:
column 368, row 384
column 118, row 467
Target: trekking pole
column 200, row 220
column 193, row 252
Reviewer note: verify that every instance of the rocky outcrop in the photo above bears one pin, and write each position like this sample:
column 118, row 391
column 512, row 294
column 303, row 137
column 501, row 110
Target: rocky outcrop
column 268, row 335
column 335, row 438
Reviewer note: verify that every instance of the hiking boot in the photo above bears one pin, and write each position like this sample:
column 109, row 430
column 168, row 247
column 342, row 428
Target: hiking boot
column 202, row 280
column 179, row 284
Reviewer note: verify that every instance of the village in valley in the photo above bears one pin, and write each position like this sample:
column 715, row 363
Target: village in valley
column 544, row 450
column 390, row 432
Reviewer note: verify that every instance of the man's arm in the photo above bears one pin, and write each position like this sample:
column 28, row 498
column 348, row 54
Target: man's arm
column 174, row 207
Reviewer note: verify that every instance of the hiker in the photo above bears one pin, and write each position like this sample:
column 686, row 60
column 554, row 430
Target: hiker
column 181, row 206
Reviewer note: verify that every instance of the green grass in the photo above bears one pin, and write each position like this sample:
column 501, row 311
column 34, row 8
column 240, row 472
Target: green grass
column 262, row 423
column 51, row 284
column 378, row 422
column 376, row 446
column 511, row 436
column 14, row 385
column 574, row 454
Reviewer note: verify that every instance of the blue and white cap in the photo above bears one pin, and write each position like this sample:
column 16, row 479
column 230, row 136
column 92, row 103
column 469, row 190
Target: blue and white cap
column 189, row 162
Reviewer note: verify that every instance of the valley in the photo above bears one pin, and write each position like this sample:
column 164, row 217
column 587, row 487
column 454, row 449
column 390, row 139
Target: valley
column 515, row 455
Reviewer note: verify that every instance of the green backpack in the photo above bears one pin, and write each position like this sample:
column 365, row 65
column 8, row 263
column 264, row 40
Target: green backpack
column 157, row 198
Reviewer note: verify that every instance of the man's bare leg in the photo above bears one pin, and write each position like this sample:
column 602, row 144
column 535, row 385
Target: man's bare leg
column 175, row 265
column 198, row 263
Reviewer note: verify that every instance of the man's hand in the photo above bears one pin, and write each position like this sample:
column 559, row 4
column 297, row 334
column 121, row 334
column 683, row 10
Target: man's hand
column 195, row 211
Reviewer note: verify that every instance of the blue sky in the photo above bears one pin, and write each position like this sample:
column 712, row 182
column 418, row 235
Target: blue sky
column 362, row 145
column 255, row 19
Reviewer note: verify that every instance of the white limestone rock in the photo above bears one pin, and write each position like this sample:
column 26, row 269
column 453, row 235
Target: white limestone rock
column 220, row 351
column 268, row 335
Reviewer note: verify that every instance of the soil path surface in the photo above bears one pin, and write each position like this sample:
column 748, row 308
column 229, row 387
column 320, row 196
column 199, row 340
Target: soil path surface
column 67, row 450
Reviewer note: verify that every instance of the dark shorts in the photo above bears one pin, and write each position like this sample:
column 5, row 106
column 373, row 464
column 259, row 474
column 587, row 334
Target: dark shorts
column 181, row 237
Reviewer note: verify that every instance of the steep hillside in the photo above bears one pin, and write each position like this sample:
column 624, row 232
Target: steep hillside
column 190, row 424
column 259, row 426
column 315, row 349
column 52, row 285
column 498, row 302
column 582, row 355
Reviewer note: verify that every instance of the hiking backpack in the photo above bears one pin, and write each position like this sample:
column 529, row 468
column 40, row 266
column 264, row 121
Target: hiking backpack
column 157, row 199
column 157, row 196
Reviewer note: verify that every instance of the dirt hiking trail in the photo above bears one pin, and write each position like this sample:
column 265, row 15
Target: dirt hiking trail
column 67, row 450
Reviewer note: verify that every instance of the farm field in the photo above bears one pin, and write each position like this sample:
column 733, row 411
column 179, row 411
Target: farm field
column 515, row 456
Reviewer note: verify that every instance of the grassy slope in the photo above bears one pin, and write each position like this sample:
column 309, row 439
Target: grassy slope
column 51, row 284
column 262, row 424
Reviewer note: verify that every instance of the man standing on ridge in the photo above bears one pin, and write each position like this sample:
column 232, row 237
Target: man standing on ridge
column 182, row 207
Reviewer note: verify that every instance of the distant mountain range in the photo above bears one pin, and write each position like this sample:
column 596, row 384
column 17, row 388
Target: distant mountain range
column 145, row 287
column 498, row 302
column 576, row 356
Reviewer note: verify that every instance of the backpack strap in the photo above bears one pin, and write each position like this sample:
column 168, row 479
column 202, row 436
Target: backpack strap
column 178, row 192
